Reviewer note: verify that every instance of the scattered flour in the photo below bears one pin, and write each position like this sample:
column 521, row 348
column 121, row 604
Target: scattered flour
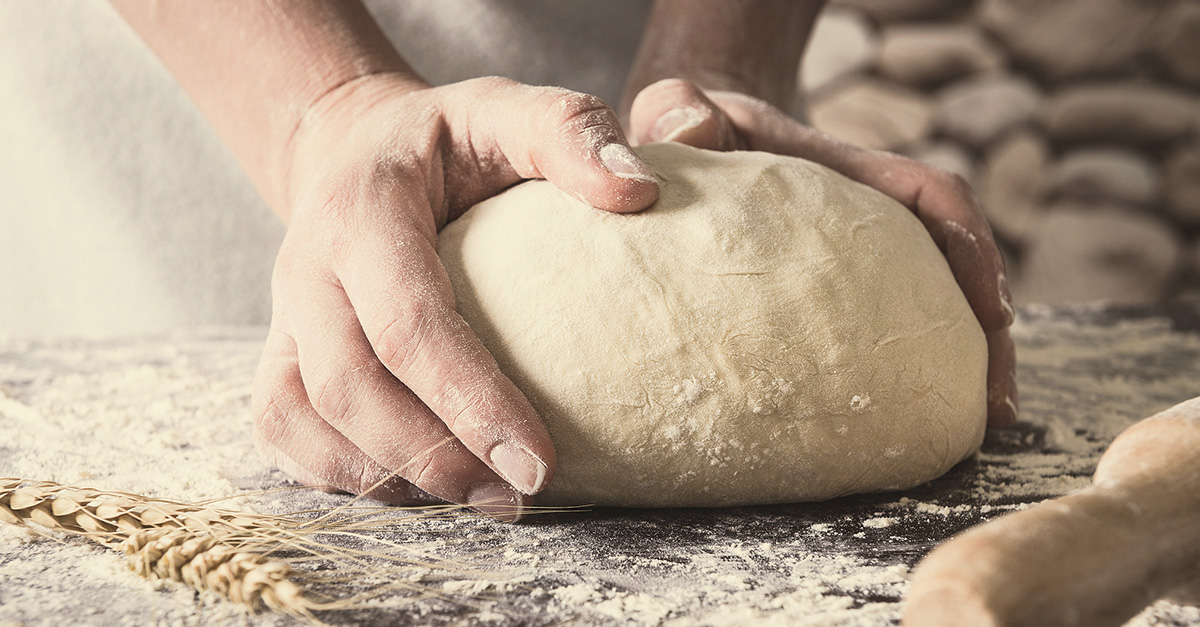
column 169, row 417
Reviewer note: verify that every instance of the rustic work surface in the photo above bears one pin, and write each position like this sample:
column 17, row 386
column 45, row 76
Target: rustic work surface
column 169, row 416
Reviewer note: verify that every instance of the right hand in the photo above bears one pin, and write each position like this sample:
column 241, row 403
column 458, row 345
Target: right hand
column 368, row 368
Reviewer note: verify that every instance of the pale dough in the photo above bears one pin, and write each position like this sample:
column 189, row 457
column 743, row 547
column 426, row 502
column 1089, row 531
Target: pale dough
column 769, row 331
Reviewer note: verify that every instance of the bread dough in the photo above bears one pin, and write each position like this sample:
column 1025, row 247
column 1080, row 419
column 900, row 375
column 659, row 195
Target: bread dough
column 769, row 331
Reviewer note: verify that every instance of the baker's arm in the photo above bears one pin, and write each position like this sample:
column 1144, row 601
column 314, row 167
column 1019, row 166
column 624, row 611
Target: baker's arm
column 368, row 368
column 255, row 69
column 719, row 75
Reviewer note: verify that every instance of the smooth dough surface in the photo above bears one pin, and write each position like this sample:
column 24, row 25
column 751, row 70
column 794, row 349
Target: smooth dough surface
column 769, row 331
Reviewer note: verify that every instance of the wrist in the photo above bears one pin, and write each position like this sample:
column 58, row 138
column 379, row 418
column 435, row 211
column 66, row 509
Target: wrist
column 751, row 47
column 255, row 69
column 322, row 120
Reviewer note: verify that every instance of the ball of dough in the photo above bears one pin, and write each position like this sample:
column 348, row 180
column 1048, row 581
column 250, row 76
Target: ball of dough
column 769, row 331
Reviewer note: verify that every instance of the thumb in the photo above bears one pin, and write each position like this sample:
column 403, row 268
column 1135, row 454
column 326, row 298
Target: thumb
column 674, row 110
column 568, row 138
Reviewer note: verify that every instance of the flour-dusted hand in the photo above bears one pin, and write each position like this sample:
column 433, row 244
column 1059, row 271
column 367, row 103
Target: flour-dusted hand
column 369, row 368
column 678, row 110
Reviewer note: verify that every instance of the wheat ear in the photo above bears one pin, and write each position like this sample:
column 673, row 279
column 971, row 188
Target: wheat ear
column 205, row 548
column 203, row 562
column 109, row 517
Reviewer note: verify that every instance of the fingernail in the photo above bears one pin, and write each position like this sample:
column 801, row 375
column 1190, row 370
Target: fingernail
column 620, row 160
column 1006, row 300
column 675, row 122
column 496, row 500
column 519, row 467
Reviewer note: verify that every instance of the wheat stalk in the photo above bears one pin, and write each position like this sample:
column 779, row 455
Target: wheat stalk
column 204, row 547
column 227, row 552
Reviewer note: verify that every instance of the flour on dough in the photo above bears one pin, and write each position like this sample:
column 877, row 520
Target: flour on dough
column 769, row 331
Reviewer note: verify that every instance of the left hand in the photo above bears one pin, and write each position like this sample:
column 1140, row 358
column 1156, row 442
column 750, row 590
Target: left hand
column 678, row 110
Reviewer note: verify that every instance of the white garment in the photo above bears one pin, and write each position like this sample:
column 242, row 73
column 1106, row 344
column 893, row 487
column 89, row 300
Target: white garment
column 121, row 211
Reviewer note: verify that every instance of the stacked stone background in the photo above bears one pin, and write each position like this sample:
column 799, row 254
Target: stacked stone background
column 1077, row 122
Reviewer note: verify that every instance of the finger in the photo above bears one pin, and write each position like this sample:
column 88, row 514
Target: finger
column 951, row 213
column 292, row 437
column 356, row 396
column 404, row 301
column 674, row 110
column 1002, row 398
column 571, row 139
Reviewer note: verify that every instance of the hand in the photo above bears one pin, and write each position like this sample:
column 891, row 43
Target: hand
column 677, row 110
column 368, row 368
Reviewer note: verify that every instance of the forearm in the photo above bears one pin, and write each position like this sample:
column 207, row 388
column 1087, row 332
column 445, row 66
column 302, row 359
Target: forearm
column 254, row 69
column 748, row 46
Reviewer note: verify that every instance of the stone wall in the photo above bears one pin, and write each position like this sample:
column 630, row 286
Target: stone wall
column 1077, row 121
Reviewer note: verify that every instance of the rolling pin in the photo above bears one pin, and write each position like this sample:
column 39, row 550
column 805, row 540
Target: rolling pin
column 1095, row 558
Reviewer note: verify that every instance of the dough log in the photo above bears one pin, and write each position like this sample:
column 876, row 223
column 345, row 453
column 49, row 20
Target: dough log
column 1095, row 558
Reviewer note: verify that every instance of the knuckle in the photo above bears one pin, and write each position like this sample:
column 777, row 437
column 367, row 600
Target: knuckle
column 574, row 102
column 574, row 113
column 672, row 89
column 270, row 402
column 434, row 471
column 368, row 477
column 270, row 420
column 426, row 470
column 464, row 402
column 956, row 183
column 403, row 337
column 332, row 393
